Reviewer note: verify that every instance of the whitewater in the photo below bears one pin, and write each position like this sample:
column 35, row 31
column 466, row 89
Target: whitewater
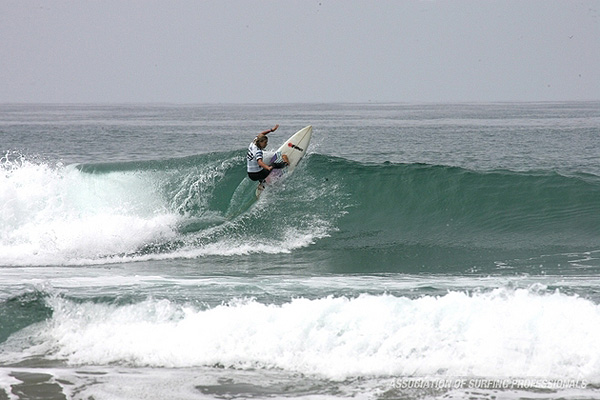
column 418, row 251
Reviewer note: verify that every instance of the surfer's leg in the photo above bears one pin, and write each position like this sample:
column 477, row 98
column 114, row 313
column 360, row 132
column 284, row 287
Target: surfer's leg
column 281, row 161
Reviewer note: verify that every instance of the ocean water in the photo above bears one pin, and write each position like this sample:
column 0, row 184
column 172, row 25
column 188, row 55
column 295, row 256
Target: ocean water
column 418, row 251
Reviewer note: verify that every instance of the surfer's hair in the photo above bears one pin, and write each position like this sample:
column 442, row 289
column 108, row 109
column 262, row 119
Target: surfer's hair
column 261, row 138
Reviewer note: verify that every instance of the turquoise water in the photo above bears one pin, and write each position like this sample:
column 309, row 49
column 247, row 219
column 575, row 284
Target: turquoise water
column 417, row 250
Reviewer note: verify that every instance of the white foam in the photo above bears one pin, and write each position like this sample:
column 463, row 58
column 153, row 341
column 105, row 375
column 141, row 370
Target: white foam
column 291, row 238
column 56, row 215
column 60, row 215
column 6, row 383
column 502, row 333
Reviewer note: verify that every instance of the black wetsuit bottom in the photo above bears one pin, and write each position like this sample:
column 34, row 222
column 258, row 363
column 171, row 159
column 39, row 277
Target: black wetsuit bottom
column 260, row 175
column 263, row 173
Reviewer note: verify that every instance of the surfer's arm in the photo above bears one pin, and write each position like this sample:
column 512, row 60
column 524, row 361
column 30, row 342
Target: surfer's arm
column 263, row 165
column 270, row 130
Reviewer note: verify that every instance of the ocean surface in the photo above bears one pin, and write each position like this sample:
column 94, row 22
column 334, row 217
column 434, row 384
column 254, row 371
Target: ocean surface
column 419, row 251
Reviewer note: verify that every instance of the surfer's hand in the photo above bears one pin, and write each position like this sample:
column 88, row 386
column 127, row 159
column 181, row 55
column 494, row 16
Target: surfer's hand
column 275, row 128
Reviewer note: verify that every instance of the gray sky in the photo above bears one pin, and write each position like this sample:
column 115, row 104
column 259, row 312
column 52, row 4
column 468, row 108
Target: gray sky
column 251, row 51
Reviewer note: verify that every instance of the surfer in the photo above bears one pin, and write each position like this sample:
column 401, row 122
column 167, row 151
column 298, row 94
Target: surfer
column 258, row 170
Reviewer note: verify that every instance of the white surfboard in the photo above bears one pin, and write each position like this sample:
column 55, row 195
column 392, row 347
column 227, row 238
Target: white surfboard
column 294, row 148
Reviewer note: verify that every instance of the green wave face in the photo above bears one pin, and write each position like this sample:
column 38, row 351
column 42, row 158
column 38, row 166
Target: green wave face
column 346, row 215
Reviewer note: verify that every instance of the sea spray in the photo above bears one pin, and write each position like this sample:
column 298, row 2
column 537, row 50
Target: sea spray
column 58, row 214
